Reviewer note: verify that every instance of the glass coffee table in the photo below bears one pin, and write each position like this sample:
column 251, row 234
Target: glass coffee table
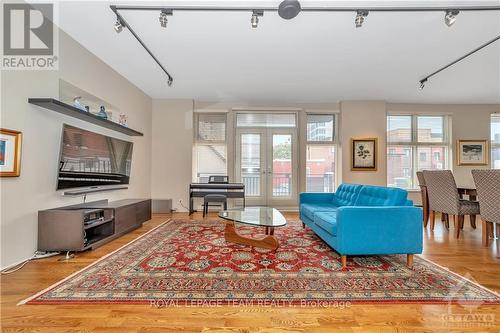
column 265, row 217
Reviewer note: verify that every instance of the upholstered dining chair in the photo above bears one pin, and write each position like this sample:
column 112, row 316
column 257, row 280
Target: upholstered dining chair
column 444, row 197
column 488, row 193
column 423, row 194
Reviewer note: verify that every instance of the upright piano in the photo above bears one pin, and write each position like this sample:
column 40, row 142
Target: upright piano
column 231, row 190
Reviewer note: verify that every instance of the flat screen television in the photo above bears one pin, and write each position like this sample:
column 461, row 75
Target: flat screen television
column 90, row 159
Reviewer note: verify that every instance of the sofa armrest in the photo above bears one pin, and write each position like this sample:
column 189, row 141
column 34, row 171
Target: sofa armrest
column 379, row 230
column 314, row 197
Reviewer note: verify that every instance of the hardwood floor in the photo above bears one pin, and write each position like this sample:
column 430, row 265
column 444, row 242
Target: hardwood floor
column 465, row 256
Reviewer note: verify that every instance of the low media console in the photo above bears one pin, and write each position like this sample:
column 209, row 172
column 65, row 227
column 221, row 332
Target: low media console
column 89, row 225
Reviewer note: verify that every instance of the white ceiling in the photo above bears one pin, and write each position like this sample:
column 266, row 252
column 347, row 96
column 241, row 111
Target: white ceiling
column 316, row 57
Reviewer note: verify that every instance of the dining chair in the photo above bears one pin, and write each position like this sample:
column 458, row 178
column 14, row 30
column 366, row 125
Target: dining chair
column 488, row 193
column 444, row 198
column 425, row 202
column 425, row 198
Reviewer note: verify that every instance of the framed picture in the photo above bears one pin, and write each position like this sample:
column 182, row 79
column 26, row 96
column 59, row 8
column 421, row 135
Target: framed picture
column 364, row 154
column 472, row 152
column 10, row 153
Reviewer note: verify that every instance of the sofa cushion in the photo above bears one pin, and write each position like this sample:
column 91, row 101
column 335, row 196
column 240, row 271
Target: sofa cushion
column 308, row 209
column 346, row 195
column 327, row 221
column 381, row 196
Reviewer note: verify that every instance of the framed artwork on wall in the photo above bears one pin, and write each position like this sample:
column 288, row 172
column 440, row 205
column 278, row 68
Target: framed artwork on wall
column 364, row 154
column 10, row 153
column 472, row 152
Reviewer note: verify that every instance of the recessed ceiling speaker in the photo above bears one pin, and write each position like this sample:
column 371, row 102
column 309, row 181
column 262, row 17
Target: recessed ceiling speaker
column 288, row 9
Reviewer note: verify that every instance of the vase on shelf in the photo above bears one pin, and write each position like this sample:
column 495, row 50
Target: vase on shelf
column 122, row 120
column 79, row 105
column 102, row 112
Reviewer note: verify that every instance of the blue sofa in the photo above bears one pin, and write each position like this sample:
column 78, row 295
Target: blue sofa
column 364, row 220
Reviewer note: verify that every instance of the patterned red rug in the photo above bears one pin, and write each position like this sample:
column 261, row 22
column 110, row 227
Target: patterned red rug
column 189, row 261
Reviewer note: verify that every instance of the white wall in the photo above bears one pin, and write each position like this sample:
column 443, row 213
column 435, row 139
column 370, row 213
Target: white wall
column 34, row 190
column 363, row 120
column 172, row 143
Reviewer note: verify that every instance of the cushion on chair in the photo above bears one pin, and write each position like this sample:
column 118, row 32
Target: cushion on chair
column 346, row 195
column 381, row 196
column 308, row 209
column 327, row 221
column 467, row 207
column 214, row 198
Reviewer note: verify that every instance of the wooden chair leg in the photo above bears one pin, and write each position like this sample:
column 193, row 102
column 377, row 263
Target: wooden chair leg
column 460, row 222
column 447, row 221
column 432, row 217
column 343, row 259
column 498, row 229
column 204, row 209
column 485, row 233
column 443, row 217
column 425, row 208
column 409, row 260
column 472, row 221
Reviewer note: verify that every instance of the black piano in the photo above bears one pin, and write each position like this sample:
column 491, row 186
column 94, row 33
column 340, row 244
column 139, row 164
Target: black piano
column 231, row 190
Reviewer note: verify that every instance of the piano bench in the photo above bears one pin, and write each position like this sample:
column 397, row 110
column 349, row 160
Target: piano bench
column 213, row 198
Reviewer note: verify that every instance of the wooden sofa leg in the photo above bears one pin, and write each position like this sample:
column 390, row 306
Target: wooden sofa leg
column 472, row 221
column 409, row 260
column 343, row 259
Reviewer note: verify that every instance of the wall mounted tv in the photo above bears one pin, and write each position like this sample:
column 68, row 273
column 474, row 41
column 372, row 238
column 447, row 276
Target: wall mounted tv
column 90, row 159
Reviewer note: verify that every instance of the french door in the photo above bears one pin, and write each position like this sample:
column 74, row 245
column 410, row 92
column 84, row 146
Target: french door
column 266, row 162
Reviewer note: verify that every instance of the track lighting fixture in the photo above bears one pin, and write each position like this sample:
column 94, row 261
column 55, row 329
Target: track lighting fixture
column 118, row 26
column 255, row 17
column 451, row 16
column 163, row 19
column 288, row 9
column 422, row 84
column 360, row 18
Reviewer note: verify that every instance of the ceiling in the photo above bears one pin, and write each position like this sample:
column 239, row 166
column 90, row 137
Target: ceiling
column 315, row 57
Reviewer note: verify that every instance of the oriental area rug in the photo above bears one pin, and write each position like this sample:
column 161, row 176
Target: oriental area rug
column 190, row 261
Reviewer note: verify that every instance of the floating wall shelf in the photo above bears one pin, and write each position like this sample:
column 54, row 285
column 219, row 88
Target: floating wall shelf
column 69, row 110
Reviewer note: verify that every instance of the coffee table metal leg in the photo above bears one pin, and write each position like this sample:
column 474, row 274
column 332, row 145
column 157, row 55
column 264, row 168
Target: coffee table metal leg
column 268, row 242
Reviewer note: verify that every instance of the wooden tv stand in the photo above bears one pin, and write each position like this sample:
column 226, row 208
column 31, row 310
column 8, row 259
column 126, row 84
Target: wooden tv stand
column 66, row 228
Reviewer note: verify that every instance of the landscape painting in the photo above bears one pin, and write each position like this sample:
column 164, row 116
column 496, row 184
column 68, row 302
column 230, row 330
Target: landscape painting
column 472, row 152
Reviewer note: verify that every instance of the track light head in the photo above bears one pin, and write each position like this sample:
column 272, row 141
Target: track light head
column 163, row 19
column 118, row 25
column 422, row 83
column 170, row 81
column 360, row 18
column 255, row 18
column 288, row 9
column 451, row 16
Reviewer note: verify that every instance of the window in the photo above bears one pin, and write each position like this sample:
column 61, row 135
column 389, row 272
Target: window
column 414, row 143
column 282, row 120
column 495, row 141
column 209, row 150
column 320, row 153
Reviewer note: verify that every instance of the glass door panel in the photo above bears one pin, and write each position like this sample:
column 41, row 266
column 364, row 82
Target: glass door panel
column 282, row 165
column 251, row 164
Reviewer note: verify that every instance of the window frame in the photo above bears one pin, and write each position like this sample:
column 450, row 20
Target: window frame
column 415, row 144
column 331, row 143
column 493, row 144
